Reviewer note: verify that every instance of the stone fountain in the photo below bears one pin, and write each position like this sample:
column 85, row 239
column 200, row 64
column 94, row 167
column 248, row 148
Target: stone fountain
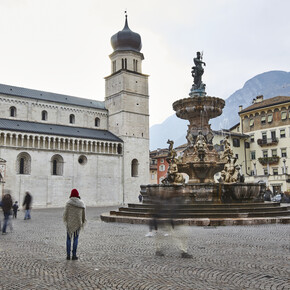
column 200, row 160
column 202, row 200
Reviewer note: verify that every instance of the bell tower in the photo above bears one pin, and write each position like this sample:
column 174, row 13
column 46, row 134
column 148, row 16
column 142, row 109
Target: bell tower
column 127, row 101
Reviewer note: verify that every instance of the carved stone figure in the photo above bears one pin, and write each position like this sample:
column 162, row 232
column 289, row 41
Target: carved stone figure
column 200, row 146
column 197, row 72
column 173, row 176
column 231, row 172
column 228, row 152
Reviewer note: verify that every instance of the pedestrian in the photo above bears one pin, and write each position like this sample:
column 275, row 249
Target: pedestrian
column 74, row 217
column 140, row 197
column 27, row 204
column 15, row 209
column 6, row 207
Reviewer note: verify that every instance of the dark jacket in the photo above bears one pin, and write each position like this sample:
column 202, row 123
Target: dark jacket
column 7, row 203
column 27, row 201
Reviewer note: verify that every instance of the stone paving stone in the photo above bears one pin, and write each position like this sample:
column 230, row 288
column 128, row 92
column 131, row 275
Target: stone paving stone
column 118, row 256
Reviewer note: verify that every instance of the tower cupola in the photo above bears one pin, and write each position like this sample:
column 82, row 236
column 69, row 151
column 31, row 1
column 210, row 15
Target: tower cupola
column 126, row 39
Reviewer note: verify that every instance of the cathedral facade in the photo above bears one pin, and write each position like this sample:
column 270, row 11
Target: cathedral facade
column 52, row 143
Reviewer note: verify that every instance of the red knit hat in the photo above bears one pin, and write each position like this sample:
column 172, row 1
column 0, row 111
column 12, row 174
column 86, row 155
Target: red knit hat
column 74, row 193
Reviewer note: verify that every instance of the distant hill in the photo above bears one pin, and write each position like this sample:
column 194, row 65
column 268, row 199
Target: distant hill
column 269, row 84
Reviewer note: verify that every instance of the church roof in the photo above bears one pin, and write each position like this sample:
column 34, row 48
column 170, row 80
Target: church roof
column 126, row 39
column 50, row 97
column 50, row 129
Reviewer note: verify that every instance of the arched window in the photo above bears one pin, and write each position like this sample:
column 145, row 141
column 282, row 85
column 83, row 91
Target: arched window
column 56, row 165
column 134, row 168
column 97, row 122
column 12, row 112
column 23, row 165
column 72, row 118
column 124, row 63
column 135, row 65
column 119, row 149
column 43, row 115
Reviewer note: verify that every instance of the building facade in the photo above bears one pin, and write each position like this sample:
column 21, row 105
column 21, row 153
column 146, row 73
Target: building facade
column 53, row 143
column 267, row 122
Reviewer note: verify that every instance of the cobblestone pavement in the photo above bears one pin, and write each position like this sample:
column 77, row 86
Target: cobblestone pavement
column 118, row 256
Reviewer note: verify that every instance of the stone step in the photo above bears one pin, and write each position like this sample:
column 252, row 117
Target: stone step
column 210, row 205
column 183, row 209
column 204, row 214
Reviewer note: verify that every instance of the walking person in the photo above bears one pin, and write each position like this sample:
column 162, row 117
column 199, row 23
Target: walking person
column 15, row 209
column 74, row 217
column 6, row 207
column 27, row 204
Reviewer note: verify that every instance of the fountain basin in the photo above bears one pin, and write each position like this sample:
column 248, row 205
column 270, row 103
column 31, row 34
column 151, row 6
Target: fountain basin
column 206, row 192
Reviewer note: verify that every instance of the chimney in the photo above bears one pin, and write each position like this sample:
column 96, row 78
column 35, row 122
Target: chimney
column 259, row 99
column 240, row 108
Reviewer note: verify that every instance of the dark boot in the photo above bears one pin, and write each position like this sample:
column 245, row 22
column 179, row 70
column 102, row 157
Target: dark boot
column 74, row 257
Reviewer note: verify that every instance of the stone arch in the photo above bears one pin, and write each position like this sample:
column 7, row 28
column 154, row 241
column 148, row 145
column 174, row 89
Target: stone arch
column 23, row 163
column 134, row 168
column 57, row 165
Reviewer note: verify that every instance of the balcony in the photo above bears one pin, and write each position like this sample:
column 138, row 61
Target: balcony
column 269, row 160
column 267, row 142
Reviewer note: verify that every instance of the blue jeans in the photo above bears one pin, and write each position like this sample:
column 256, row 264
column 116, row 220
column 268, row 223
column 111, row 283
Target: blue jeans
column 27, row 214
column 75, row 244
column 6, row 219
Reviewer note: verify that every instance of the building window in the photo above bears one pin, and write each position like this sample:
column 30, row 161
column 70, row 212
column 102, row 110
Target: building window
column 265, row 153
column 152, row 176
column 134, row 168
column 251, row 122
column 264, row 136
column 43, row 115
column 265, row 171
column 252, row 138
column 252, row 173
column 282, row 133
column 270, row 118
column 12, row 112
column 71, row 118
column 124, row 63
column 273, row 135
column 114, row 66
column 286, row 170
column 23, row 163
column 119, row 149
column 253, row 155
column 237, row 156
column 274, row 152
column 283, row 152
column 283, row 115
column 97, row 122
column 162, row 167
column 263, row 120
column 236, row 142
column 275, row 171
column 56, row 165
column 135, row 65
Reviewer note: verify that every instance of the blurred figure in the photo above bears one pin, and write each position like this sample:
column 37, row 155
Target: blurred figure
column 6, row 207
column 74, row 217
column 15, row 209
column 165, row 213
column 27, row 204
column 268, row 194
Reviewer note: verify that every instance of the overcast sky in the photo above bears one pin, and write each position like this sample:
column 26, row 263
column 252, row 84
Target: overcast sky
column 62, row 46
